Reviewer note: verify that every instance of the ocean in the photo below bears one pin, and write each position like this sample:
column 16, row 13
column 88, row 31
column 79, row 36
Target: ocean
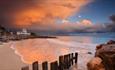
column 96, row 38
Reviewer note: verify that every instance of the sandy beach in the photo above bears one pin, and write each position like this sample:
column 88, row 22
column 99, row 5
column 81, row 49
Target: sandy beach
column 20, row 53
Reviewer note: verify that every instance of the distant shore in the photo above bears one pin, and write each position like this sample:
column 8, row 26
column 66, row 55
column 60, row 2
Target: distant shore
column 5, row 39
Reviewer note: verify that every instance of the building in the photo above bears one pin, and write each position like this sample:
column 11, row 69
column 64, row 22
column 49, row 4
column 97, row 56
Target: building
column 23, row 32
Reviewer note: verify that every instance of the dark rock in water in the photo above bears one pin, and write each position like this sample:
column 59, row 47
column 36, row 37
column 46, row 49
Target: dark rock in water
column 46, row 37
column 89, row 52
column 106, row 52
column 111, row 42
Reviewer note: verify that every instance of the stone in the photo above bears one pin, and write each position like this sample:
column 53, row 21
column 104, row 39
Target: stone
column 107, row 54
column 95, row 64
column 111, row 42
column 99, row 46
column 104, row 57
column 89, row 52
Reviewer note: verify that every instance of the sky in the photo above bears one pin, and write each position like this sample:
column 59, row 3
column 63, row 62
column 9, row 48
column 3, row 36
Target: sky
column 98, row 11
column 58, row 15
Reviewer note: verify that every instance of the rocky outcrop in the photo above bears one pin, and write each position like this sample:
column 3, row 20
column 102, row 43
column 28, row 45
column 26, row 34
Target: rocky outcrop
column 111, row 42
column 95, row 64
column 106, row 52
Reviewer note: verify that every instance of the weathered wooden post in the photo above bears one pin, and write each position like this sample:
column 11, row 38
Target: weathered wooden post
column 45, row 65
column 61, row 63
column 68, row 65
column 71, row 56
column 69, row 60
column 66, row 62
column 35, row 66
column 54, row 66
column 76, row 57
column 25, row 68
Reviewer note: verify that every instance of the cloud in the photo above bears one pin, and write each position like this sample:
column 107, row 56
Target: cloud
column 27, row 13
column 112, row 18
column 65, row 26
column 85, row 22
column 102, row 27
column 42, row 15
column 65, row 21
column 111, row 26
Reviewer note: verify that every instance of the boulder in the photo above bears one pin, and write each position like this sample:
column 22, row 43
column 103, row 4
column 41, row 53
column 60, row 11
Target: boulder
column 95, row 64
column 106, row 52
column 99, row 46
column 111, row 42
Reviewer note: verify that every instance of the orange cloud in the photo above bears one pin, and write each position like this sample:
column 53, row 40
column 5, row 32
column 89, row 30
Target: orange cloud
column 86, row 22
column 45, row 12
column 65, row 25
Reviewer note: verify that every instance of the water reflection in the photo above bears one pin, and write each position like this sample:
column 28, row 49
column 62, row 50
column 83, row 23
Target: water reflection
column 49, row 49
column 38, row 50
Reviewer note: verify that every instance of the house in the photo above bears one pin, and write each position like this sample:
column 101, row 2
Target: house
column 23, row 32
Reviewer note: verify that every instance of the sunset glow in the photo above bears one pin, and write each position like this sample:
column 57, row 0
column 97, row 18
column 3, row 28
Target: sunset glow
column 34, row 32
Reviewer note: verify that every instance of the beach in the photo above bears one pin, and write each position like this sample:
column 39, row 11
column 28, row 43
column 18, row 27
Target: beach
column 16, row 54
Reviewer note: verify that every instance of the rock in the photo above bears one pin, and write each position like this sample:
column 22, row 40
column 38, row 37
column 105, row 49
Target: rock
column 111, row 42
column 107, row 54
column 95, row 64
column 89, row 52
column 104, row 57
column 99, row 46
column 108, row 58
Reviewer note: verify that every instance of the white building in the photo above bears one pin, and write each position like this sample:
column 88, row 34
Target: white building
column 23, row 32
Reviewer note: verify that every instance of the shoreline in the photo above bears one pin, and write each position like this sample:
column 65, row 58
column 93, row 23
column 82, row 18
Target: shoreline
column 20, row 38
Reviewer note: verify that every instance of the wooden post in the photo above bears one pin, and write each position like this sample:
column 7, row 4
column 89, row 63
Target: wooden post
column 25, row 68
column 76, row 57
column 54, row 65
column 45, row 65
column 66, row 64
column 71, row 58
column 35, row 66
column 65, row 67
column 61, row 63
